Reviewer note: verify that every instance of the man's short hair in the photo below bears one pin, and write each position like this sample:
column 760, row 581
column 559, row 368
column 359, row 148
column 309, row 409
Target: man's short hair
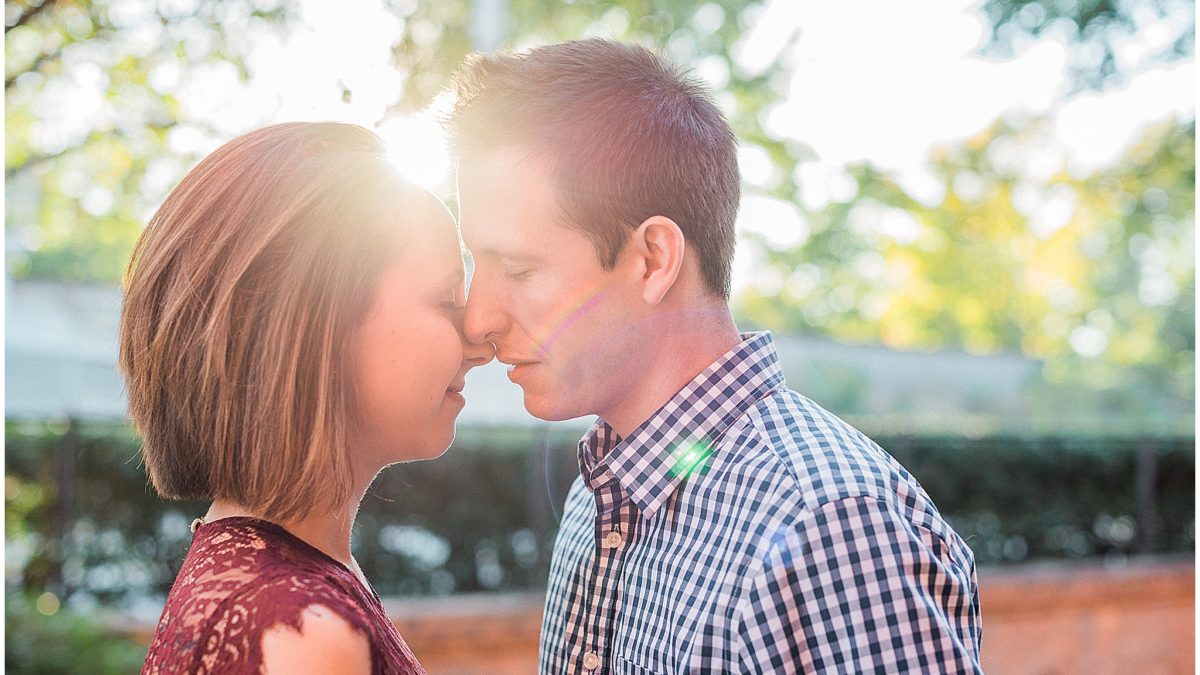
column 237, row 325
column 629, row 137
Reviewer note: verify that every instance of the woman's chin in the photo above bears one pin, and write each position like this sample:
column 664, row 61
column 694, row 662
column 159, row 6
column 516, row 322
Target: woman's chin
column 443, row 447
column 431, row 445
column 435, row 447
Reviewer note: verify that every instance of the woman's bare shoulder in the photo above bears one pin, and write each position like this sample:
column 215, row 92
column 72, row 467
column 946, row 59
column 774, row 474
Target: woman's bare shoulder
column 325, row 643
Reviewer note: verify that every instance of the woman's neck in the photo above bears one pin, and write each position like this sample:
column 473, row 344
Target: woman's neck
column 327, row 532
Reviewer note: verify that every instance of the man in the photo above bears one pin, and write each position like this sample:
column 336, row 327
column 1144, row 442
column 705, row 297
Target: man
column 721, row 522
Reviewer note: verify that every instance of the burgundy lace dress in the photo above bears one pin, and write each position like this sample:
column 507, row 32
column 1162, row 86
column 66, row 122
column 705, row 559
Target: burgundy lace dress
column 243, row 576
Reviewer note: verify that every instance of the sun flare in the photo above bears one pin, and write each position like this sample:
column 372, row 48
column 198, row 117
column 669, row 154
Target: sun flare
column 417, row 148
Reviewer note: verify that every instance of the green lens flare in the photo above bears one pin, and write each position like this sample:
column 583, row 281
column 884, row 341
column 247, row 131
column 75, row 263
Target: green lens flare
column 690, row 456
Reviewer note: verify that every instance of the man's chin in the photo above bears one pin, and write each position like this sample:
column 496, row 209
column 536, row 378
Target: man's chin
column 551, row 408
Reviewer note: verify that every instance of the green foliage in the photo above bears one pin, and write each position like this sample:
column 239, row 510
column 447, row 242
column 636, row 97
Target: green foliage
column 438, row 35
column 63, row 642
column 1020, row 498
column 77, row 197
column 1093, row 27
column 1102, row 289
column 979, row 274
column 79, row 188
column 83, row 522
column 81, row 513
column 484, row 516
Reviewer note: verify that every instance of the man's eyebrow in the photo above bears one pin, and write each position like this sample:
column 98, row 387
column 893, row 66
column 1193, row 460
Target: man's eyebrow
column 506, row 255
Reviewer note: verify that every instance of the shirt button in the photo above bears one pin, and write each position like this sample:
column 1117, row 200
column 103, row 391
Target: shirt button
column 612, row 540
column 591, row 661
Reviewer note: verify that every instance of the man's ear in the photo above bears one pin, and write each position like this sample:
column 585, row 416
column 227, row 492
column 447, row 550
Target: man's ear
column 658, row 247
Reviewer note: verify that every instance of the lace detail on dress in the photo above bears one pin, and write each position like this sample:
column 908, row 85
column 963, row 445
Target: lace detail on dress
column 243, row 576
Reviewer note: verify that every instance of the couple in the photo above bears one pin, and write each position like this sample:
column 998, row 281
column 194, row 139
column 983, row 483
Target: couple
column 296, row 319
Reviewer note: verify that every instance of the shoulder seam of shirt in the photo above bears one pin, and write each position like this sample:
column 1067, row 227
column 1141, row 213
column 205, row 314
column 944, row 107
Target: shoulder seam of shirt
column 761, row 561
column 754, row 418
column 807, row 503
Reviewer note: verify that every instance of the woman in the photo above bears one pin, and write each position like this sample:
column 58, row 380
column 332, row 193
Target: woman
column 292, row 325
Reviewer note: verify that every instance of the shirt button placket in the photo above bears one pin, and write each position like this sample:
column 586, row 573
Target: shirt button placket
column 613, row 540
column 591, row 661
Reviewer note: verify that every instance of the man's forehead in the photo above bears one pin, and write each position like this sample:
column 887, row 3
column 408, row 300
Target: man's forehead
column 483, row 161
column 512, row 175
column 507, row 204
column 489, row 234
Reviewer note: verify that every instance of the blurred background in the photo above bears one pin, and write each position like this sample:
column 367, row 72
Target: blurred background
column 970, row 225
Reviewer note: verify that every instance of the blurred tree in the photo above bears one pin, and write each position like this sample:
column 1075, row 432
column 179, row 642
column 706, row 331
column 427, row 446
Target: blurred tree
column 1059, row 267
column 1095, row 31
column 66, row 641
column 78, row 192
column 1092, row 273
column 94, row 130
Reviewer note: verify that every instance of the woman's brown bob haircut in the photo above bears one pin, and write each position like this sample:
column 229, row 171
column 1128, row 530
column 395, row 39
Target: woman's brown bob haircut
column 240, row 304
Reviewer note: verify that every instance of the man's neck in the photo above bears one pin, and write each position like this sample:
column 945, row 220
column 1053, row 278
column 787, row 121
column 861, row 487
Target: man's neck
column 691, row 342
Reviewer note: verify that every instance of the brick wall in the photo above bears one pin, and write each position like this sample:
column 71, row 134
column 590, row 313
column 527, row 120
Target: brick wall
column 1093, row 620
column 1037, row 620
column 466, row 634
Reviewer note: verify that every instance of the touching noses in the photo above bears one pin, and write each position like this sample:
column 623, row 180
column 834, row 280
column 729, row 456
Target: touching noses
column 477, row 353
column 482, row 320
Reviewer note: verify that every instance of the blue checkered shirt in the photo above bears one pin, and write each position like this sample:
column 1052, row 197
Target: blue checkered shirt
column 744, row 529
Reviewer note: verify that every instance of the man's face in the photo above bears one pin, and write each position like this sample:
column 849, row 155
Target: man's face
column 539, row 293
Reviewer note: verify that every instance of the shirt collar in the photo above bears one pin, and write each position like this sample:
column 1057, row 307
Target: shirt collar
column 681, row 436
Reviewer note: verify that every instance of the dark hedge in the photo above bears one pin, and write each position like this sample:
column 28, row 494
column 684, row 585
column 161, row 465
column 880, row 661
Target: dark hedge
column 483, row 517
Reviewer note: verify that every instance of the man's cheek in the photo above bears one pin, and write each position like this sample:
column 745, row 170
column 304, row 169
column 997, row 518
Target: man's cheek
column 538, row 310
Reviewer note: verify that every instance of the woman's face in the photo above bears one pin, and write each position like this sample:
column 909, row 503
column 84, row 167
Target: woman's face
column 411, row 358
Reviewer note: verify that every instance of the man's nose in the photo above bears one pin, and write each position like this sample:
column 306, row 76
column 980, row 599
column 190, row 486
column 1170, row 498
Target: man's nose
column 483, row 319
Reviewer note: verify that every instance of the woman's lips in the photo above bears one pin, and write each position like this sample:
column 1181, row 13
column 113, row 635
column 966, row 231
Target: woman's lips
column 454, row 392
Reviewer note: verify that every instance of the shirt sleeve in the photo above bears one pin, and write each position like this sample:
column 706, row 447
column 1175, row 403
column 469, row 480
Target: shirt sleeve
column 856, row 588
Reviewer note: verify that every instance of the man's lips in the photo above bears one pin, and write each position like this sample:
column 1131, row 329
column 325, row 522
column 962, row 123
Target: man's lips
column 517, row 367
column 512, row 362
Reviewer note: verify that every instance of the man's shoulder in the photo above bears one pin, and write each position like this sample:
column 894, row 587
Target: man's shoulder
column 813, row 457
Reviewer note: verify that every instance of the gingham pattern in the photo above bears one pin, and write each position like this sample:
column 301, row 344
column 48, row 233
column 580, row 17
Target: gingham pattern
column 759, row 533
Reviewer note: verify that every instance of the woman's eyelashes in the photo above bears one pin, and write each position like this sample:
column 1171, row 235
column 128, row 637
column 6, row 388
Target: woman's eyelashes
column 454, row 301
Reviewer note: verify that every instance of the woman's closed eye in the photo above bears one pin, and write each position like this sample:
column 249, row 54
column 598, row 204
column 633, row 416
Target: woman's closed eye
column 453, row 300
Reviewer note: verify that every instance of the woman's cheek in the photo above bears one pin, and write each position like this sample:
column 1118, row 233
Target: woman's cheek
column 453, row 341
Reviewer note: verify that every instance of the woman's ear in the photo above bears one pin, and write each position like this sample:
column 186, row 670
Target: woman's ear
column 659, row 247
